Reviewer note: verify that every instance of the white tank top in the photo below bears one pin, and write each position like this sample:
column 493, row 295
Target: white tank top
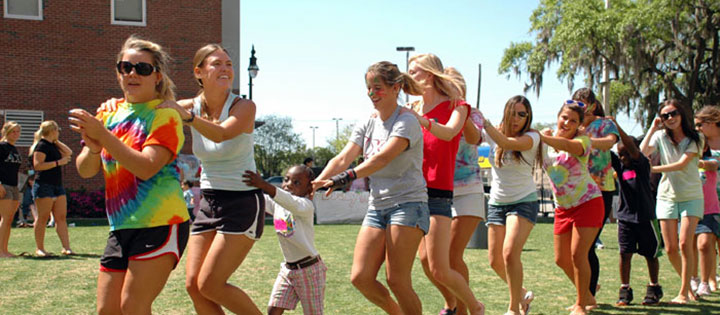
column 224, row 163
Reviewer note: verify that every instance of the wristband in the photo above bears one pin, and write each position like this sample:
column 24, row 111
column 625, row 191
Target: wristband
column 192, row 117
column 56, row 163
column 429, row 124
column 343, row 179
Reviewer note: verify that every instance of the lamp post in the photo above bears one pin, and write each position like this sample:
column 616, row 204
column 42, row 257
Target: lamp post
column 407, row 51
column 337, row 128
column 252, row 69
column 313, row 129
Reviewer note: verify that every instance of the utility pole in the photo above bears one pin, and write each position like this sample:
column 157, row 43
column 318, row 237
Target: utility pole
column 313, row 129
column 407, row 51
column 337, row 128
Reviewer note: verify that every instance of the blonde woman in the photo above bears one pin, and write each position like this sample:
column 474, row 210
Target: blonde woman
column 442, row 114
column 9, row 195
column 135, row 146
column 222, row 130
column 49, row 154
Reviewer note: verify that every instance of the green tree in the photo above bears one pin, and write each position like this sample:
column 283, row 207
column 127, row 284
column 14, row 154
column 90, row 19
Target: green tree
column 277, row 147
column 654, row 50
column 337, row 144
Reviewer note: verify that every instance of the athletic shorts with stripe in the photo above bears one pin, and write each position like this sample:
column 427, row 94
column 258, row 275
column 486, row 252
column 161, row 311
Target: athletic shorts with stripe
column 642, row 238
column 231, row 212
column 143, row 244
column 306, row 285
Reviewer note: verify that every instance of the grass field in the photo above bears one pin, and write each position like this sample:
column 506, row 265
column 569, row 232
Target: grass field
column 66, row 285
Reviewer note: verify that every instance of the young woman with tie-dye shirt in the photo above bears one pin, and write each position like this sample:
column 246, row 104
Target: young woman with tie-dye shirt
column 579, row 204
column 135, row 146
column 603, row 135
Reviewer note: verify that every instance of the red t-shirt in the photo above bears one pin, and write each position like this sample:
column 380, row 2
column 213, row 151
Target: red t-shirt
column 439, row 155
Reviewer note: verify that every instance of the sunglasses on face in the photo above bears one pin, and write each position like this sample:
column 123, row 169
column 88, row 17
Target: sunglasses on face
column 521, row 114
column 669, row 115
column 141, row 68
column 578, row 103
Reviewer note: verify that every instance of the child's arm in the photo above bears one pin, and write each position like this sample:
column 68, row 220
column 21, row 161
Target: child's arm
column 627, row 141
column 299, row 206
column 572, row 146
column 251, row 178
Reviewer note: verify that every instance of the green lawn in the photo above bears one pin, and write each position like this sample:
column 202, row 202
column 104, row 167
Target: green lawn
column 66, row 285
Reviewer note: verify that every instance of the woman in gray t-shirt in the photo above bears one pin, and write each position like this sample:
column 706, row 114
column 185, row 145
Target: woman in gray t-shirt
column 398, row 217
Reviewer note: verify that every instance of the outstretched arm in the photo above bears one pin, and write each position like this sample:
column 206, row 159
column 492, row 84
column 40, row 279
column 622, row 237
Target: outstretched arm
column 572, row 146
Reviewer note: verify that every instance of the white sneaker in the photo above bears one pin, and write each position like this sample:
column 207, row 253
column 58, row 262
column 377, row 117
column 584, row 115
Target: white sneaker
column 703, row 289
column 694, row 283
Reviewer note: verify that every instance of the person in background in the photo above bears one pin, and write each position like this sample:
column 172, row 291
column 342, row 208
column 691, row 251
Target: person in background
column 189, row 198
column 302, row 274
column 638, row 229
column 9, row 194
column 309, row 162
column 27, row 206
column 49, row 154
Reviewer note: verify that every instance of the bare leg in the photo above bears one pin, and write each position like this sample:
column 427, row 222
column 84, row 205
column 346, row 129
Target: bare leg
column 144, row 280
column 402, row 243
column 109, row 292
column 517, row 232
column 368, row 257
column 44, row 207
column 625, row 266
column 450, row 300
column 7, row 213
column 706, row 246
column 669, row 231
column 225, row 255
column 197, row 249
column 462, row 229
column 582, row 240
column 59, row 211
column 687, row 233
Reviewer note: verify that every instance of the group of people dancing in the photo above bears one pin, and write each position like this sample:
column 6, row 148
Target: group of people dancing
column 426, row 194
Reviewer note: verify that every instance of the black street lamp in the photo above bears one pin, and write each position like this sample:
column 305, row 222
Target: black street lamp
column 252, row 69
column 407, row 51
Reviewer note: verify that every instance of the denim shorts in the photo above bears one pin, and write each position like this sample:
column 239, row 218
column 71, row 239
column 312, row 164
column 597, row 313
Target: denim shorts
column 40, row 190
column 497, row 214
column 710, row 223
column 412, row 214
column 440, row 206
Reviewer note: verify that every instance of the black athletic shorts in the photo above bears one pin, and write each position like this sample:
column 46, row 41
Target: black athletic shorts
column 642, row 238
column 231, row 212
column 143, row 244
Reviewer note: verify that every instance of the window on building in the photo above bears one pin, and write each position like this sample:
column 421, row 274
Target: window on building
column 128, row 12
column 29, row 120
column 23, row 9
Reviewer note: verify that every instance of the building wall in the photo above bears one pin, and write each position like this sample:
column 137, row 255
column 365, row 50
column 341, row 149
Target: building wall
column 67, row 60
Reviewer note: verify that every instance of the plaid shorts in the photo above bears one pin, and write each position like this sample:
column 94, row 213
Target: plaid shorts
column 306, row 285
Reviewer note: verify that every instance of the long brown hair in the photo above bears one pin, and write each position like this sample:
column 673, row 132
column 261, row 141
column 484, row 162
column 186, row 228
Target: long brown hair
column 161, row 60
column 506, row 127
column 443, row 80
column 685, row 121
column 390, row 75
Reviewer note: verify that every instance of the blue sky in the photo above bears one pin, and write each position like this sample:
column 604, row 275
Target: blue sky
column 313, row 55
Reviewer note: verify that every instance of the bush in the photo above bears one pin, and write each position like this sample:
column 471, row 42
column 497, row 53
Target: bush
column 86, row 204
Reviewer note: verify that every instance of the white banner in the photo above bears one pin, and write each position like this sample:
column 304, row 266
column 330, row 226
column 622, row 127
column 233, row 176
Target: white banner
column 341, row 207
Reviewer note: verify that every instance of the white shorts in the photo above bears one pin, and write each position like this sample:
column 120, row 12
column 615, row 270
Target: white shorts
column 469, row 205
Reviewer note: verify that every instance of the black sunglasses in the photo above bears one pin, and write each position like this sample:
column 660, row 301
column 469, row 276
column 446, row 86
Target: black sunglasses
column 141, row 68
column 669, row 115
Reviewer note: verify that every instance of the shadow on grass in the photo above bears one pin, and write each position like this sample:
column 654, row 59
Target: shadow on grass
column 60, row 257
column 700, row 307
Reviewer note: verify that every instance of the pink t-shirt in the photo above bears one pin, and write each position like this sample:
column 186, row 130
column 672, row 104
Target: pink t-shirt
column 709, row 179
column 439, row 155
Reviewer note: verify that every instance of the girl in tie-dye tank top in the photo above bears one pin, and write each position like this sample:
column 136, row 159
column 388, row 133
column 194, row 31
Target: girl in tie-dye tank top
column 579, row 204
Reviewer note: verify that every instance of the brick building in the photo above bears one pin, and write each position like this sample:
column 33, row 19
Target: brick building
column 60, row 54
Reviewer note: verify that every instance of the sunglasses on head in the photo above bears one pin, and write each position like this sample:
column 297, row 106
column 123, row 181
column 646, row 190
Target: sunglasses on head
column 578, row 103
column 669, row 115
column 141, row 68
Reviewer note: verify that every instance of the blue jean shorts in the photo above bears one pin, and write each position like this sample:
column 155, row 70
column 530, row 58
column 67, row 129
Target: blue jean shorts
column 40, row 190
column 497, row 214
column 440, row 206
column 710, row 223
column 412, row 214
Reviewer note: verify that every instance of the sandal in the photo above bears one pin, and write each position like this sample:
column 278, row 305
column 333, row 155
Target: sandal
column 41, row 253
column 525, row 304
column 67, row 252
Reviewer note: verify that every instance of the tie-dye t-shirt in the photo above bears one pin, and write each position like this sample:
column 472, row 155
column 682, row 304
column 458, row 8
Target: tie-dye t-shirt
column 569, row 176
column 131, row 202
column 600, row 165
column 467, row 178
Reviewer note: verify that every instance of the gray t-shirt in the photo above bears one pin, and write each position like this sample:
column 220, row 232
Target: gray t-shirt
column 401, row 180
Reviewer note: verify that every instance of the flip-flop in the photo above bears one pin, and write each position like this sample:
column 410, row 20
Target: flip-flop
column 527, row 299
column 677, row 301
